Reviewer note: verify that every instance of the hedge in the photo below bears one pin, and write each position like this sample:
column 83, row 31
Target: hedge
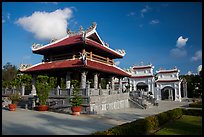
column 145, row 126
column 196, row 104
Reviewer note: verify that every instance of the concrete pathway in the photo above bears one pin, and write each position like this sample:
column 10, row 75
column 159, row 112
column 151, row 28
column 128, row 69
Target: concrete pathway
column 29, row 122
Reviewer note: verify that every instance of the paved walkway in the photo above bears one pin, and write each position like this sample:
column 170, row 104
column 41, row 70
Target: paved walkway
column 28, row 122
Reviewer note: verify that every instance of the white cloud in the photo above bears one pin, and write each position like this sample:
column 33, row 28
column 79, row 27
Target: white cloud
column 144, row 10
column 176, row 52
column 117, row 63
column 156, row 21
column 181, row 42
column 197, row 56
column 47, row 25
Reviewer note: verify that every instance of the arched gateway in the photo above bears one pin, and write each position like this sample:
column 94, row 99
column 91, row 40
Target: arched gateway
column 168, row 93
column 82, row 56
column 142, row 86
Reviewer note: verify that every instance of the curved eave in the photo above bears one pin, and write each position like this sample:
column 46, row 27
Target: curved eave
column 77, row 63
column 60, row 43
column 103, row 48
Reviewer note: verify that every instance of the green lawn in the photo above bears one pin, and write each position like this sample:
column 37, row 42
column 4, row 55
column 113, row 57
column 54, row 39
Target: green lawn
column 187, row 125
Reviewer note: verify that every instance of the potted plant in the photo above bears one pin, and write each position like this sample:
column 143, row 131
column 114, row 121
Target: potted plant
column 76, row 99
column 43, row 89
column 14, row 97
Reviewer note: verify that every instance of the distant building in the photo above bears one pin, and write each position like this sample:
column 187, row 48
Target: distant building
column 168, row 85
column 164, row 85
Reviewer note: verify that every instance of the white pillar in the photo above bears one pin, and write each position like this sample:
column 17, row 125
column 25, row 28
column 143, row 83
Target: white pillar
column 33, row 92
column 23, row 90
column 134, row 85
column 112, row 84
column 68, row 80
column 130, row 83
column 96, row 80
column 120, row 84
column 83, row 79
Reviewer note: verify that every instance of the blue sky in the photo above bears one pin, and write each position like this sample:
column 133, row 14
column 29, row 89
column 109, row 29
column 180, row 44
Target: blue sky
column 166, row 34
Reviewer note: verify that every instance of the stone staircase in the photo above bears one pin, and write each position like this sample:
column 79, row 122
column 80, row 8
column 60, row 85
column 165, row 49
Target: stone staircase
column 143, row 101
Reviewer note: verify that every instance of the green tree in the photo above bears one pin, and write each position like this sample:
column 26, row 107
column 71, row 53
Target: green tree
column 194, row 85
column 9, row 72
column 43, row 89
column 76, row 100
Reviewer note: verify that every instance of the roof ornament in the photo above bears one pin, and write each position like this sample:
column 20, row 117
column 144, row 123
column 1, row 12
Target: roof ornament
column 53, row 40
column 141, row 63
column 69, row 31
column 106, row 44
column 92, row 27
column 84, row 36
column 94, row 24
column 121, row 51
column 36, row 46
column 24, row 66
column 80, row 29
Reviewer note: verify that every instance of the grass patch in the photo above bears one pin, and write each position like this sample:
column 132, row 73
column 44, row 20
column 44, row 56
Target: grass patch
column 186, row 125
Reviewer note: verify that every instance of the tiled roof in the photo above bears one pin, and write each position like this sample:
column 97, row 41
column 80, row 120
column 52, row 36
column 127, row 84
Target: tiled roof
column 77, row 39
column 176, row 80
column 148, row 76
column 67, row 41
column 141, row 67
column 103, row 48
column 166, row 71
column 77, row 64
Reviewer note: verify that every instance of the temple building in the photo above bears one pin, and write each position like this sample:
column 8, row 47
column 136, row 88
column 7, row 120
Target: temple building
column 81, row 56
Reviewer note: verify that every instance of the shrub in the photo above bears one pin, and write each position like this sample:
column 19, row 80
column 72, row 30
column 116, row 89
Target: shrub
column 162, row 118
column 14, row 97
column 43, row 89
column 133, row 128
column 145, row 126
column 174, row 114
column 151, row 123
column 192, row 112
column 76, row 100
